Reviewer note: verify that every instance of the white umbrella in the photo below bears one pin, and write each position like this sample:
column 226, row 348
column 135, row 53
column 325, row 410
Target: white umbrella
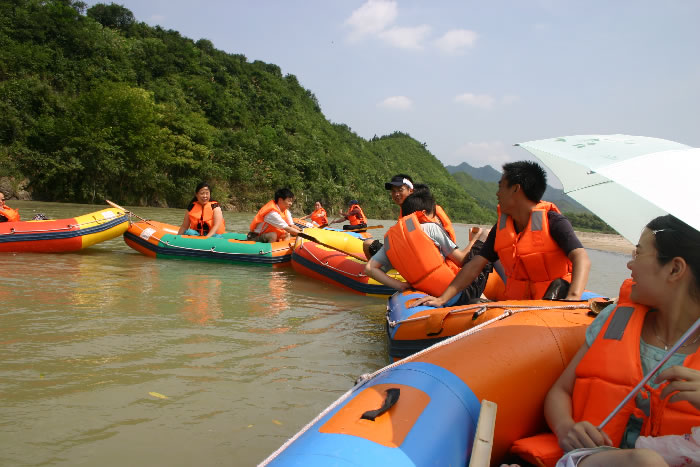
column 625, row 180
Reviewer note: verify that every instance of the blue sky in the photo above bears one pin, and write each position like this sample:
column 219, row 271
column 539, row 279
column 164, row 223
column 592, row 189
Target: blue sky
column 470, row 78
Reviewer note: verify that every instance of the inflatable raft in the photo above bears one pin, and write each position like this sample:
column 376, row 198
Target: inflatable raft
column 62, row 235
column 413, row 329
column 424, row 409
column 159, row 240
column 344, row 269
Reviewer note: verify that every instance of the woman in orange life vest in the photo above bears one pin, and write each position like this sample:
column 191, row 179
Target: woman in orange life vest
column 274, row 222
column 203, row 216
column 534, row 254
column 658, row 305
column 318, row 217
column 7, row 214
column 427, row 257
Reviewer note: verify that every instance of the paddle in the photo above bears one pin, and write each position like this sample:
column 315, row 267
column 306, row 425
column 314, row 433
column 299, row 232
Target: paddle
column 116, row 206
column 315, row 240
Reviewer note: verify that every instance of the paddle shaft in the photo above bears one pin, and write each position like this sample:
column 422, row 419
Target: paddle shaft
column 644, row 380
column 116, row 206
column 315, row 240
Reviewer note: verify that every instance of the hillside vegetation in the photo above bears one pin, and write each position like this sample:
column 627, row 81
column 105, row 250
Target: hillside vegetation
column 98, row 105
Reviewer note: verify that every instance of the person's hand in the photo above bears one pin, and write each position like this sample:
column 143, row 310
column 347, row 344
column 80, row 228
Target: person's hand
column 685, row 382
column 428, row 300
column 583, row 435
column 404, row 286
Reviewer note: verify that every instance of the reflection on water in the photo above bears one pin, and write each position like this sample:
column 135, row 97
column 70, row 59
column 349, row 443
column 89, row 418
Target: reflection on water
column 243, row 355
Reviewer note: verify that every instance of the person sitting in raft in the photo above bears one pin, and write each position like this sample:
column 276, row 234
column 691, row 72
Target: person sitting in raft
column 427, row 257
column 318, row 217
column 274, row 222
column 626, row 341
column 535, row 243
column 203, row 216
column 7, row 214
column 355, row 216
column 400, row 187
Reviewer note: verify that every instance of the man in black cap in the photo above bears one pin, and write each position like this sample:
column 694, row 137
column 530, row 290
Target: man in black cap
column 400, row 186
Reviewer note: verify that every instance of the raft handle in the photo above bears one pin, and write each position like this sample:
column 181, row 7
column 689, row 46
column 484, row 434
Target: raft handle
column 392, row 396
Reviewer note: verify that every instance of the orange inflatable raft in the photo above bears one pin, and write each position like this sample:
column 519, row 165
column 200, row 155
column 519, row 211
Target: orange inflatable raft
column 423, row 410
column 344, row 269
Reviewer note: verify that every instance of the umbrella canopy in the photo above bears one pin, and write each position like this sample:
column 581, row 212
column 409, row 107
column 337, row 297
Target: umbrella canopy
column 625, row 180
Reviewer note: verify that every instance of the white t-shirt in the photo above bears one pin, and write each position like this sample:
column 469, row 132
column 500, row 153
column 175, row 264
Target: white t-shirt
column 274, row 219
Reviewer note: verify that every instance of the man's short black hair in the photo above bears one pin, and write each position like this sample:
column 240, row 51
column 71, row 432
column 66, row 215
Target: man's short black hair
column 422, row 201
column 529, row 175
column 421, row 188
column 283, row 193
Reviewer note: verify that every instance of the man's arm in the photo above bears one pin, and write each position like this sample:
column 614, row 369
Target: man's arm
column 373, row 270
column 579, row 276
column 465, row 277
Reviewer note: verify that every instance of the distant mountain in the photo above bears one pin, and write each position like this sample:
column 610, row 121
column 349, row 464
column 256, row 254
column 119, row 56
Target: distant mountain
column 485, row 173
column 482, row 183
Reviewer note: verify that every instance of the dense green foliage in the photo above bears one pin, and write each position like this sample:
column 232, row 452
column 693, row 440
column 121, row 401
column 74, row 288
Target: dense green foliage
column 97, row 105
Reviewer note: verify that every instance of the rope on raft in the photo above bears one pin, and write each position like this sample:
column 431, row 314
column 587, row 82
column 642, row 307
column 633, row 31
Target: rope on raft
column 363, row 379
column 486, row 306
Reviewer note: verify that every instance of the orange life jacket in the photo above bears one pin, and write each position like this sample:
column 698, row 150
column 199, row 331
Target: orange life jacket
column 260, row 219
column 319, row 217
column 446, row 222
column 531, row 258
column 202, row 217
column 12, row 215
column 610, row 369
column 414, row 254
column 355, row 219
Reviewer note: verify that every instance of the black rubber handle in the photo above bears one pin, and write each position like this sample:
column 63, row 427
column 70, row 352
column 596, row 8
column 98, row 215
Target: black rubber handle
column 392, row 396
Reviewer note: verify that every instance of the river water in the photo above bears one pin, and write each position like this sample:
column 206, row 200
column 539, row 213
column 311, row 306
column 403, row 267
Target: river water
column 111, row 358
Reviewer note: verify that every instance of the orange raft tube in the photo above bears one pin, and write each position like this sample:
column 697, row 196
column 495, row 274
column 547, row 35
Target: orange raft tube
column 159, row 240
column 63, row 235
column 345, row 268
column 426, row 406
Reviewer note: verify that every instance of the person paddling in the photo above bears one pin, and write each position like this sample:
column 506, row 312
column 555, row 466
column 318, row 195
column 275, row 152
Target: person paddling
column 274, row 222
column 319, row 216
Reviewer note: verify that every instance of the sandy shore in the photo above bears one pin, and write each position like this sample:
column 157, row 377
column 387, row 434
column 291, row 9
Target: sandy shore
column 605, row 242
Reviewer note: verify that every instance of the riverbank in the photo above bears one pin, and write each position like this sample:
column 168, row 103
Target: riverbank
column 605, row 242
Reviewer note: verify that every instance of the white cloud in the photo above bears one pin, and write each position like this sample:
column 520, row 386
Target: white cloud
column 396, row 103
column 480, row 154
column 482, row 101
column 406, row 38
column 454, row 42
column 372, row 18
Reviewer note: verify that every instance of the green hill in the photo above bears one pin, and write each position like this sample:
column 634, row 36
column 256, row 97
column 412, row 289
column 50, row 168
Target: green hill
column 98, row 105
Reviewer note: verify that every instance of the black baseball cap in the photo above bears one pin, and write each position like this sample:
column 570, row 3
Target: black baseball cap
column 398, row 180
